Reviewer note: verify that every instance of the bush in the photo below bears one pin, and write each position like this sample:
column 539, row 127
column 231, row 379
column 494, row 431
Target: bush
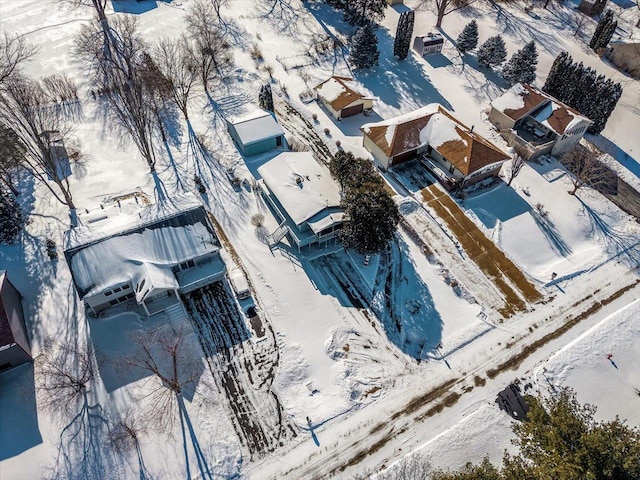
column 199, row 185
column 52, row 250
column 11, row 218
column 257, row 220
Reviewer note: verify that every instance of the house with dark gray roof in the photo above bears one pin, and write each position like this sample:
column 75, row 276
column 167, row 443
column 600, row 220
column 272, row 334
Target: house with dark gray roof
column 150, row 256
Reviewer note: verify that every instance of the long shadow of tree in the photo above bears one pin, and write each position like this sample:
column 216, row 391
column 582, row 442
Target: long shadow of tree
column 551, row 233
column 622, row 245
column 174, row 371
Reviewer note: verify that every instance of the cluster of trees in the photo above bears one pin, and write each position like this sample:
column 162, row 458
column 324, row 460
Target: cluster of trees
column 561, row 439
column 404, row 35
column 604, row 31
column 364, row 51
column 139, row 86
column 580, row 87
column 360, row 12
column 521, row 67
column 371, row 216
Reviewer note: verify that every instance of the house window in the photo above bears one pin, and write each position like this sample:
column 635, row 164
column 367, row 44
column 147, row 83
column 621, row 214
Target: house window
column 108, row 294
column 187, row 264
column 126, row 287
column 278, row 141
column 113, row 302
column 452, row 168
column 116, row 290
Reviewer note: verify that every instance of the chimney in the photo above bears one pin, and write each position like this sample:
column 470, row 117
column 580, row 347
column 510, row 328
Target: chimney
column 471, row 131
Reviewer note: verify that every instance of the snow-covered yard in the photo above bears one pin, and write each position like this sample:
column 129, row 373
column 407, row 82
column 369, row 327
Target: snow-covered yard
column 345, row 347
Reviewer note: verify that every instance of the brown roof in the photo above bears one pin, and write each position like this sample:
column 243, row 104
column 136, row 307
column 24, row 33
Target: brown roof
column 559, row 117
column 469, row 152
column 347, row 97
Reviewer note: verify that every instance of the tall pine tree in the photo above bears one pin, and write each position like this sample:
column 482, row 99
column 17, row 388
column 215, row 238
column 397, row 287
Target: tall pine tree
column 492, row 52
column 604, row 22
column 364, row 48
column 404, row 34
column 557, row 74
column 605, row 37
column 468, row 38
column 361, row 12
column 521, row 67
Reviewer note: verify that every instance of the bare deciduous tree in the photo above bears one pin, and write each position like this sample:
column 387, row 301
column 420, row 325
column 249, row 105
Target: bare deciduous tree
column 443, row 8
column 124, row 436
column 209, row 51
column 174, row 370
column 117, row 77
column 175, row 63
column 12, row 151
column 63, row 375
column 517, row 162
column 586, row 169
column 14, row 51
column 40, row 114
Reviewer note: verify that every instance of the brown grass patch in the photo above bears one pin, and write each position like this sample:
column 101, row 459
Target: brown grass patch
column 515, row 361
column 478, row 381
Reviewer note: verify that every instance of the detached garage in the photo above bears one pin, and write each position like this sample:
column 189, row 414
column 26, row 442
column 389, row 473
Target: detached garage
column 257, row 133
column 340, row 96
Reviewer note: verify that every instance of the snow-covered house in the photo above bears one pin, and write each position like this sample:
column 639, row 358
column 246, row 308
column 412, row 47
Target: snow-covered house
column 150, row 256
column 14, row 341
column 342, row 98
column 527, row 117
column 303, row 196
column 428, row 44
column 452, row 151
column 256, row 133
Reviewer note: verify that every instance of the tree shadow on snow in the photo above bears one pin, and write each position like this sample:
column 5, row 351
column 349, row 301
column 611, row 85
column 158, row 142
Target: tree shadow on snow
column 19, row 430
column 392, row 79
column 400, row 299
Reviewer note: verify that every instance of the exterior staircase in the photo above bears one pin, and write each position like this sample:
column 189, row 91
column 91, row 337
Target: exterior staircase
column 178, row 317
column 278, row 234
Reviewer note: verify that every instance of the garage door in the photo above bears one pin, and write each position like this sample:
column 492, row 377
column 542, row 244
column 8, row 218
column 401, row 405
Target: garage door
column 350, row 111
column 403, row 157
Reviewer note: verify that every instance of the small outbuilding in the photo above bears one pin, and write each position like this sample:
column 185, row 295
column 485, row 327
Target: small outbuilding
column 14, row 341
column 257, row 133
column 342, row 98
column 428, row 44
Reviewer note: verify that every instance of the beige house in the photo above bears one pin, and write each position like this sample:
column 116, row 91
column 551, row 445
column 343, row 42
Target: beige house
column 625, row 54
column 341, row 96
column 538, row 123
column 453, row 152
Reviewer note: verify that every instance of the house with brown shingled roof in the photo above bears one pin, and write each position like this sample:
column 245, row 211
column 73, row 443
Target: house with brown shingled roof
column 452, row 151
column 536, row 122
column 342, row 97
column 14, row 341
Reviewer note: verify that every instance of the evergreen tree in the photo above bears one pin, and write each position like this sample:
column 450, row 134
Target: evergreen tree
column 364, row 48
column 265, row 98
column 557, row 74
column 468, row 38
column 605, row 37
column 492, row 52
column 11, row 219
column 361, row 12
column 604, row 22
column 521, row 67
column 371, row 217
column 404, row 35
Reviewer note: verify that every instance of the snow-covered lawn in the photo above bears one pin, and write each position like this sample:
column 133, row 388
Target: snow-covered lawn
column 546, row 230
